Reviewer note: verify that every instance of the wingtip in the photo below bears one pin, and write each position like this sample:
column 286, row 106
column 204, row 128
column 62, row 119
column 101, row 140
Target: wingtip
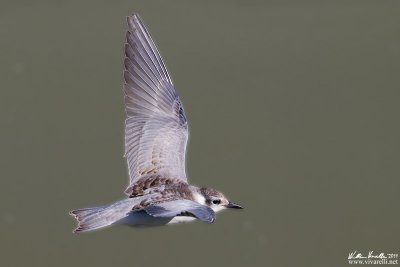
column 129, row 21
column 132, row 18
column 134, row 15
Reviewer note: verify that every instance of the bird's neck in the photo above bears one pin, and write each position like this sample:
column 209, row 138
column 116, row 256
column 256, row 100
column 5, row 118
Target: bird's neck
column 198, row 196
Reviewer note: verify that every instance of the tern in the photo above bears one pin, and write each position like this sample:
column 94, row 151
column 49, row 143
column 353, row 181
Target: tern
column 156, row 136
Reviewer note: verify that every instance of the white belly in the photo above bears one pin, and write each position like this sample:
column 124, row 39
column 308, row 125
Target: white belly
column 181, row 219
column 141, row 218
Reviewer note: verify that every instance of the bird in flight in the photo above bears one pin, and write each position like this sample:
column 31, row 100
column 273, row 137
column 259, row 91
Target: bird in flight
column 156, row 135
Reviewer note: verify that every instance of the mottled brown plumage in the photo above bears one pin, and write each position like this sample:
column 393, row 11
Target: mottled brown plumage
column 151, row 183
column 160, row 189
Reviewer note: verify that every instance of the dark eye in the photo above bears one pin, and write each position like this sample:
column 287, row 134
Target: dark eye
column 216, row 201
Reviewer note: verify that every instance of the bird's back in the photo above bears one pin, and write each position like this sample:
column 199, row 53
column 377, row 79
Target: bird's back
column 160, row 189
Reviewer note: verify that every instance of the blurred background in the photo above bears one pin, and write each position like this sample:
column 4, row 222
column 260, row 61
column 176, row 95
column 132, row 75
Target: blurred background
column 293, row 110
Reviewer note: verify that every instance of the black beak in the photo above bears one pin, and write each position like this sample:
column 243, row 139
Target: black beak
column 232, row 205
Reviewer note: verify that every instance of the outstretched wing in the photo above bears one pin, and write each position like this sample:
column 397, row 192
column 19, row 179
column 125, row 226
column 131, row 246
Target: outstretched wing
column 156, row 129
column 179, row 207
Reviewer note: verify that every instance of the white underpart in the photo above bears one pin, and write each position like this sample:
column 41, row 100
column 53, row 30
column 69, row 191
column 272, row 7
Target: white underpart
column 217, row 208
column 181, row 219
column 141, row 218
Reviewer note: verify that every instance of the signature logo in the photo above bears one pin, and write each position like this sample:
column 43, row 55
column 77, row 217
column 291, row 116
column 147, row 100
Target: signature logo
column 356, row 255
column 372, row 257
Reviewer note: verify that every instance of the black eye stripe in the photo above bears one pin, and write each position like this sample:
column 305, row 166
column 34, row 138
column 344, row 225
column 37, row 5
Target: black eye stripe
column 216, row 201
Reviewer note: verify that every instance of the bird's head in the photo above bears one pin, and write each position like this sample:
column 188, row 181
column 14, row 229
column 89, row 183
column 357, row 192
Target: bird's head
column 216, row 200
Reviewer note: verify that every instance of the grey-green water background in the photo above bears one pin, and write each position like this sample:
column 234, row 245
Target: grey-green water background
column 293, row 111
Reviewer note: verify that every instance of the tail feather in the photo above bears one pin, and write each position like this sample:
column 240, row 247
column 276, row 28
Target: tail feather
column 90, row 219
column 99, row 217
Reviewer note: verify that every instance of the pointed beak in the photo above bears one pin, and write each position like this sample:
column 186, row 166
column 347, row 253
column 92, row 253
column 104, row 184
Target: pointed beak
column 232, row 205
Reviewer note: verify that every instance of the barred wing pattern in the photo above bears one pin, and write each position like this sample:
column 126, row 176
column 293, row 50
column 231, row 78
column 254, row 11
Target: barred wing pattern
column 156, row 129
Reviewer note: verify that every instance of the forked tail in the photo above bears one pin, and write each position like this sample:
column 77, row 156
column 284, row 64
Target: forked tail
column 99, row 217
